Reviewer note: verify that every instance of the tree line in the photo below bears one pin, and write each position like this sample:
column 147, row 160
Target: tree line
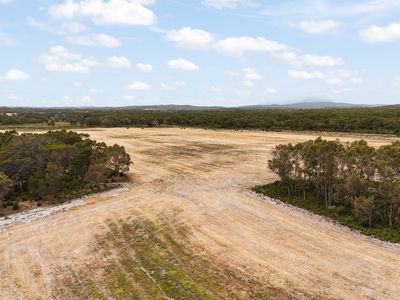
column 369, row 120
column 353, row 178
column 56, row 166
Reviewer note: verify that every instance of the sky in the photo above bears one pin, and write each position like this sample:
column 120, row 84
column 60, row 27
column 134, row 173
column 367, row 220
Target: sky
column 199, row 52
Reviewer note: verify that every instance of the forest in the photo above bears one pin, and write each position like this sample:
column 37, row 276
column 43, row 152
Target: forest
column 353, row 182
column 368, row 120
column 56, row 166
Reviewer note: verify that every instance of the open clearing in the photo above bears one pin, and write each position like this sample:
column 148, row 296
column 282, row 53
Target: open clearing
column 197, row 182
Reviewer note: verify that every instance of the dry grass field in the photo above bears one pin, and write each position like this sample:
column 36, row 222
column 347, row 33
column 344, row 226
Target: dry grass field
column 189, row 227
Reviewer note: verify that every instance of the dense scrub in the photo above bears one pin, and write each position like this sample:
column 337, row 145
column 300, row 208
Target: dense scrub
column 354, row 183
column 371, row 120
column 56, row 166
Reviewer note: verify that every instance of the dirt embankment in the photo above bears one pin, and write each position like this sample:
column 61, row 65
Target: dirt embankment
column 196, row 183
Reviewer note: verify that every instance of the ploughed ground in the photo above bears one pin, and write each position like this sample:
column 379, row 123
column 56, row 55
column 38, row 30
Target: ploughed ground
column 189, row 228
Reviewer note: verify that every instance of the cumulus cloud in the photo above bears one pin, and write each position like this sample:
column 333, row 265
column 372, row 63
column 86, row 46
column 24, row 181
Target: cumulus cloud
column 42, row 26
column 343, row 77
column 74, row 27
column 112, row 12
column 335, row 77
column 317, row 26
column 138, row 86
column 71, row 27
column 298, row 74
column 221, row 4
column 147, row 68
column 15, row 75
column 59, row 59
column 94, row 40
column 190, row 38
column 118, row 62
column 239, row 45
column 295, row 59
column 271, row 91
column 377, row 34
column 250, row 76
column 183, row 64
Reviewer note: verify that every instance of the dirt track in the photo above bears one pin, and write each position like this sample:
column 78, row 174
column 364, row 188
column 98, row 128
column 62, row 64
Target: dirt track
column 199, row 179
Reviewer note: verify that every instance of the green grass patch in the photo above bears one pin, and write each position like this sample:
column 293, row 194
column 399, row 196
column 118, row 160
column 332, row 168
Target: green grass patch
column 142, row 260
column 339, row 214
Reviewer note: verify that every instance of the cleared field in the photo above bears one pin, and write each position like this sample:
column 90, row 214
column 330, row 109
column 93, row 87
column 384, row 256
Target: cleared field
column 195, row 183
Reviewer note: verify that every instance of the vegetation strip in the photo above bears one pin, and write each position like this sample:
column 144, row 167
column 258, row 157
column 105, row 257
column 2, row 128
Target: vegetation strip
column 142, row 260
column 383, row 120
column 353, row 184
column 55, row 167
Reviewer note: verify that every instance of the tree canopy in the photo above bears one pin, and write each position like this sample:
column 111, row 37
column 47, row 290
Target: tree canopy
column 355, row 176
column 56, row 166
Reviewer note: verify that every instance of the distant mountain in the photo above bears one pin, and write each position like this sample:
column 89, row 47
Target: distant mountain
column 169, row 107
column 306, row 105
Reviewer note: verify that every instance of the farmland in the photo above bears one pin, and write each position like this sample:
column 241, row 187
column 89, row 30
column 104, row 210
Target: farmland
column 210, row 236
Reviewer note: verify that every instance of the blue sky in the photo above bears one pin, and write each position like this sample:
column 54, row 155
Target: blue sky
column 199, row 52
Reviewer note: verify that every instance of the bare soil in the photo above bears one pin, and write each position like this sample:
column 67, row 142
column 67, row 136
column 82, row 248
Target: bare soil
column 198, row 181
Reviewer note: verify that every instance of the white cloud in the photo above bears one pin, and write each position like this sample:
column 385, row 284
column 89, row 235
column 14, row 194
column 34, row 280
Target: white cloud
column 250, row 76
column 190, row 38
column 59, row 59
column 147, row 68
column 221, row 4
column 329, row 9
column 118, row 62
column 93, row 40
column 138, row 86
column 112, row 12
column 183, row 64
column 5, row 2
column 335, row 77
column 239, row 45
column 271, row 91
column 15, row 75
column 343, row 77
column 377, row 34
column 305, row 74
column 74, row 27
column 42, row 26
column 310, row 59
column 318, row 27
